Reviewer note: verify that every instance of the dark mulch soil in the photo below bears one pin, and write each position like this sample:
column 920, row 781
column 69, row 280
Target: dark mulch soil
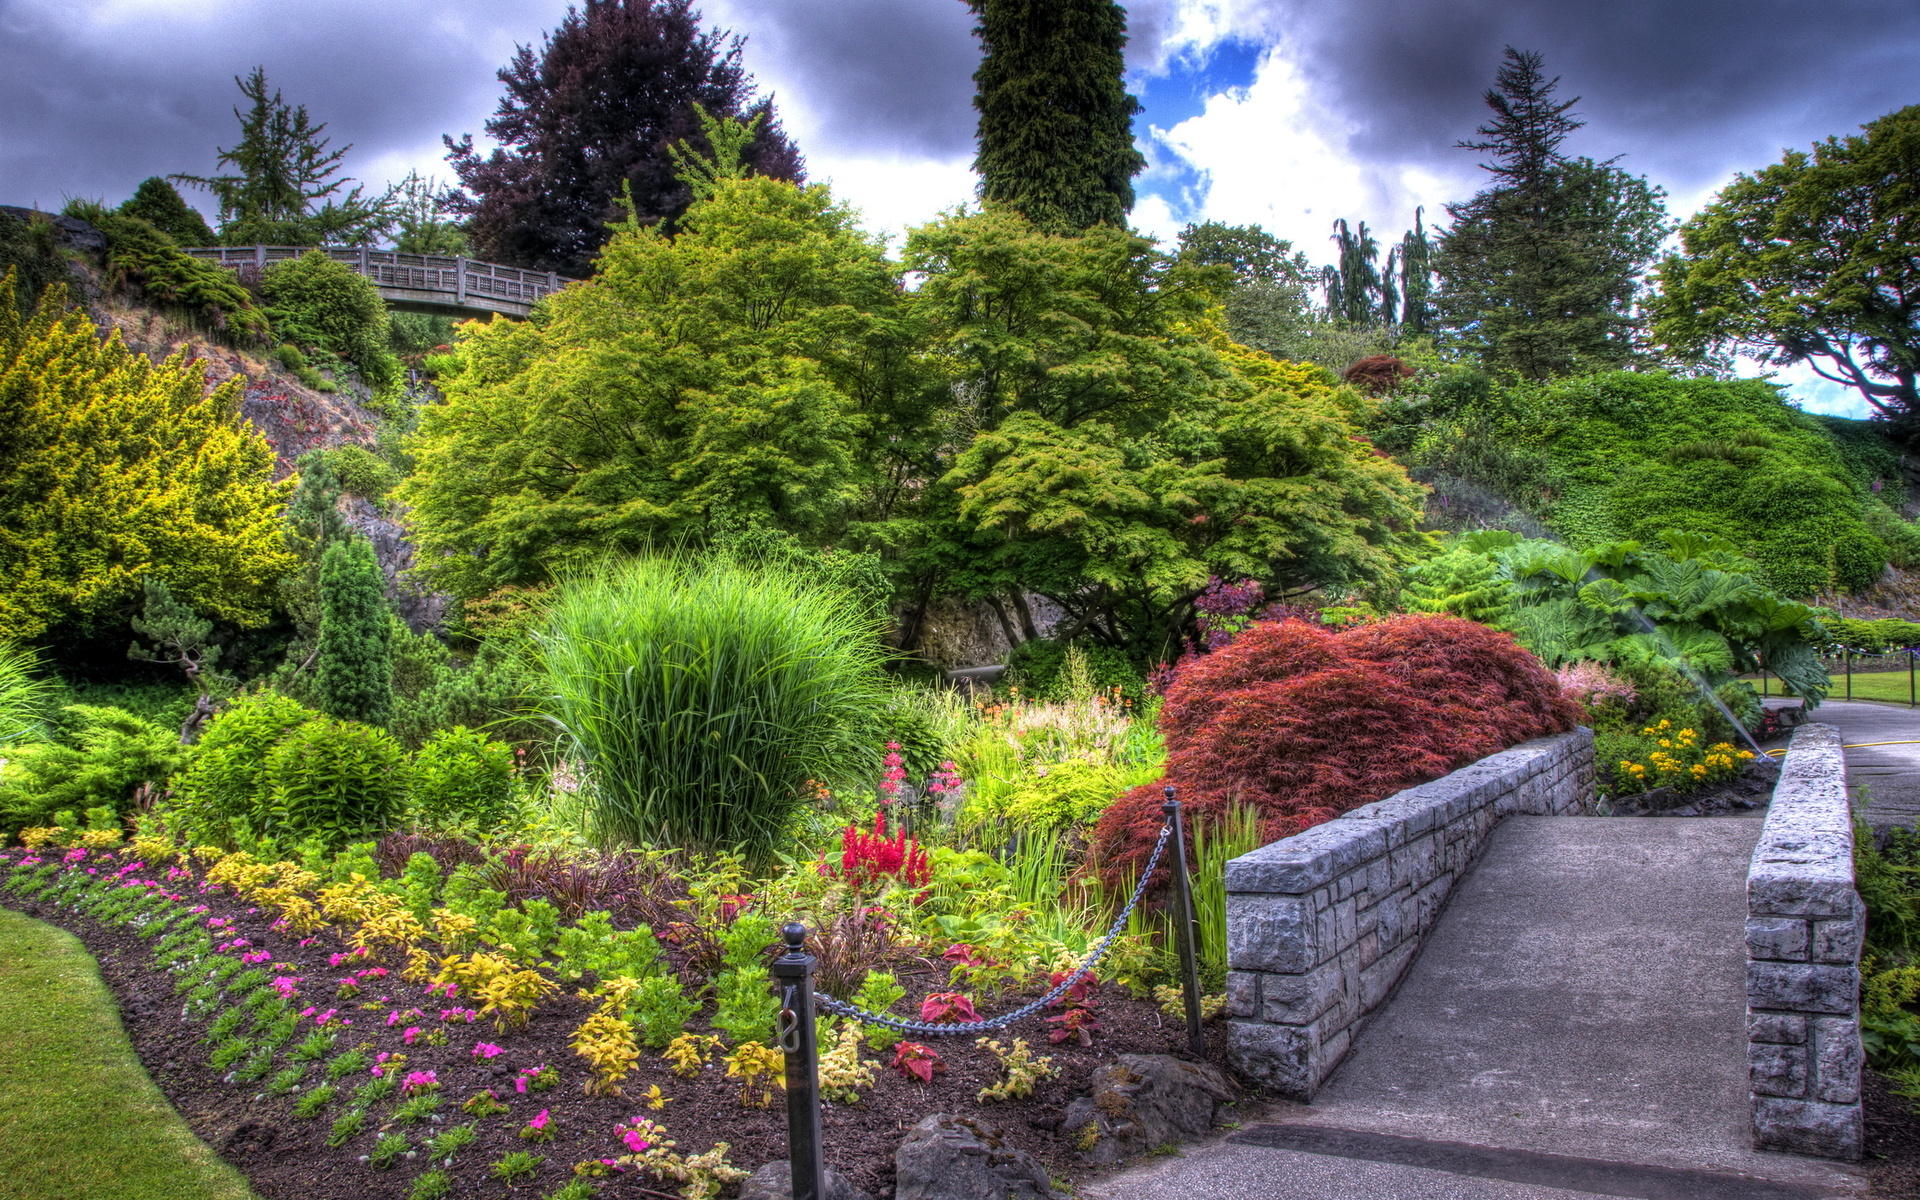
column 285, row 1157
column 1893, row 1143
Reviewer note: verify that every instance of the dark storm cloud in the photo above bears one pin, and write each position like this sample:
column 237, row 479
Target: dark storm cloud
column 879, row 76
column 1688, row 90
column 93, row 99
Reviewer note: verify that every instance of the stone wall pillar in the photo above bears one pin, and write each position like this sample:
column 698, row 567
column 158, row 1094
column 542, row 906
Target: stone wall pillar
column 1805, row 922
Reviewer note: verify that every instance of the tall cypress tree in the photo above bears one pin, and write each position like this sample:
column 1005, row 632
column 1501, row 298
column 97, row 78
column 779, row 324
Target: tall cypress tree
column 1056, row 121
column 1540, row 272
column 355, row 679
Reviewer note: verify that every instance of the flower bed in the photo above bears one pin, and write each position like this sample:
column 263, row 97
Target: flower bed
column 331, row 1042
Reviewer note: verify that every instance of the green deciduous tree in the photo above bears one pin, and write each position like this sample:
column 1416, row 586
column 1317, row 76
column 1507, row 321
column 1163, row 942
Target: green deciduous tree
column 355, row 667
column 1056, row 120
column 1815, row 260
column 1126, row 449
column 283, row 168
column 752, row 368
column 114, row 468
column 1539, row 273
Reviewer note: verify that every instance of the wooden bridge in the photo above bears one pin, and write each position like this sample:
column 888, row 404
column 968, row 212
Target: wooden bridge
column 425, row 283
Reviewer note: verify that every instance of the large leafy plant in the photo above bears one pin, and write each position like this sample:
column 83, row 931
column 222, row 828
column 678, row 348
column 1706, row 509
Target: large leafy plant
column 1690, row 603
column 113, row 753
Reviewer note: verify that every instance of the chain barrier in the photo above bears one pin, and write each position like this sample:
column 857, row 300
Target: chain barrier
column 927, row 1029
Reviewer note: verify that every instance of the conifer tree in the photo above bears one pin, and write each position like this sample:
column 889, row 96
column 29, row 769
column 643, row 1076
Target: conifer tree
column 1056, row 121
column 156, row 202
column 355, row 679
column 1541, row 271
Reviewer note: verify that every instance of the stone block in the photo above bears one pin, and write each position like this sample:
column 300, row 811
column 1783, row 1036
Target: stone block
column 1378, row 978
column 1415, row 863
column 1279, row 1058
column 1777, row 1070
column 1307, row 860
column 1837, row 1060
column 1808, row 1127
column 1299, row 999
column 1782, row 1028
column 1838, row 941
column 1781, row 939
column 1802, row 987
column 1276, row 934
column 1243, row 993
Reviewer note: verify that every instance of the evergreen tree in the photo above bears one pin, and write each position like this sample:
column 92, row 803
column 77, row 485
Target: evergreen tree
column 1416, row 278
column 355, row 679
column 595, row 113
column 156, row 202
column 1540, row 272
column 284, row 167
column 1056, row 121
column 1354, row 282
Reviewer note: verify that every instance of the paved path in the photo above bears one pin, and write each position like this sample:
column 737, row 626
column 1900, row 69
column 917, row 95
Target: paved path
column 1891, row 772
column 1574, row 1027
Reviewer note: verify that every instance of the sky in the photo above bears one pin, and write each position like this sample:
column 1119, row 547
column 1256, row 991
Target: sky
column 1284, row 113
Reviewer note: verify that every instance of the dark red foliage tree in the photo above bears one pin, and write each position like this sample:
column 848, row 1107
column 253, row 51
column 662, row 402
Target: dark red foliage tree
column 1377, row 374
column 611, row 89
column 1303, row 723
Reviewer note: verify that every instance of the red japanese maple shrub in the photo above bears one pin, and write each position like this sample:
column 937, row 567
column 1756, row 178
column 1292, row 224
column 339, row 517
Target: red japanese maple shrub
column 1303, row 723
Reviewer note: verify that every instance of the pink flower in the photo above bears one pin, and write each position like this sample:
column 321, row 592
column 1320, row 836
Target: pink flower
column 634, row 1141
column 418, row 1082
column 336, row 959
column 539, row 1122
column 486, row 1050
column 411, row 1035
column 258, row 956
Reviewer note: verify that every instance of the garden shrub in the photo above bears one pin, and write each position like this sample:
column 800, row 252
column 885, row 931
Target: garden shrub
column 362, row 472
column 336, row 782
column 461, row 777
column 1632, row 454
column 157, row 203
column 226, row 788
column 30, row 252
column 354, row 676
column 1303, row 723
column 708, row 700
column 1039, row 668
column 141, row 255
column 322, row 304
column 114, row 752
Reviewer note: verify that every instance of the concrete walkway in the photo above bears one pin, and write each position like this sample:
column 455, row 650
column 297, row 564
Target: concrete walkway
column 1574, row 1026
column 1891, row 772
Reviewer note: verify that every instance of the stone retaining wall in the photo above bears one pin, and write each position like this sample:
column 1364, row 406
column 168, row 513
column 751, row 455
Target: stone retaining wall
column 1322, row 924
column 1804, row 927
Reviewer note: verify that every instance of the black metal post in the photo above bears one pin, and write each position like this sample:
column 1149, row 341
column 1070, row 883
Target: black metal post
column 1846, row 656
column 1912, row 701
column 1188, row 927
column 794, row 973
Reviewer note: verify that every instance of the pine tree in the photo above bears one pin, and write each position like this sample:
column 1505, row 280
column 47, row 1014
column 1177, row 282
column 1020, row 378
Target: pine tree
column 1056, row 121
column 595, row 113
column 355, row 679
column 284, row 168
column 1416, row 278
column 1541, row 271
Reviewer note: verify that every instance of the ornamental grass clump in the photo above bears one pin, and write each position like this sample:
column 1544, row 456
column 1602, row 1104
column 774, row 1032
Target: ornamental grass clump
column 706, row 698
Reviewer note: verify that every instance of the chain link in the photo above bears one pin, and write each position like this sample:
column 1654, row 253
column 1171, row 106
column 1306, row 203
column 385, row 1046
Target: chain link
column 926, row 1029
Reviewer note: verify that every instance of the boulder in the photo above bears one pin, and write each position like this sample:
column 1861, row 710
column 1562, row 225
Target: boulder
column 775, row 1182
column 954, row 1158
column 1144, row 1102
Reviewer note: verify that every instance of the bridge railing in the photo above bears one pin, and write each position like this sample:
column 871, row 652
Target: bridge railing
column 462, row 279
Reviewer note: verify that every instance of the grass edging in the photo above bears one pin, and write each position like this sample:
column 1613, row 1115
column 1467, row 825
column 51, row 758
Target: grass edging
column 83, row 1119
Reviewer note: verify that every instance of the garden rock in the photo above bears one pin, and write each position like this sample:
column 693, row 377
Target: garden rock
column 1143, row 1102
column 953, row 1158
column 775, row 1182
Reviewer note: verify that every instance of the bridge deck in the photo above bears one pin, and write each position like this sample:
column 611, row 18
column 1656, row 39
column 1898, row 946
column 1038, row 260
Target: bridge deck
column 1574, row 1026
column 431, row 283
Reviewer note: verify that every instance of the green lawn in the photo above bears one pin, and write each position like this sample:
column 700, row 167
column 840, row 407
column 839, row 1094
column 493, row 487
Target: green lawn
column 1881, row 685
column 79, row 1117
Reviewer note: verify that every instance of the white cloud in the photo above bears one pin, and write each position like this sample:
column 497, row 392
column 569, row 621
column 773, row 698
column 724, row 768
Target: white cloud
column 1267, row 154
column 894, row 192
column 1809, row 390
